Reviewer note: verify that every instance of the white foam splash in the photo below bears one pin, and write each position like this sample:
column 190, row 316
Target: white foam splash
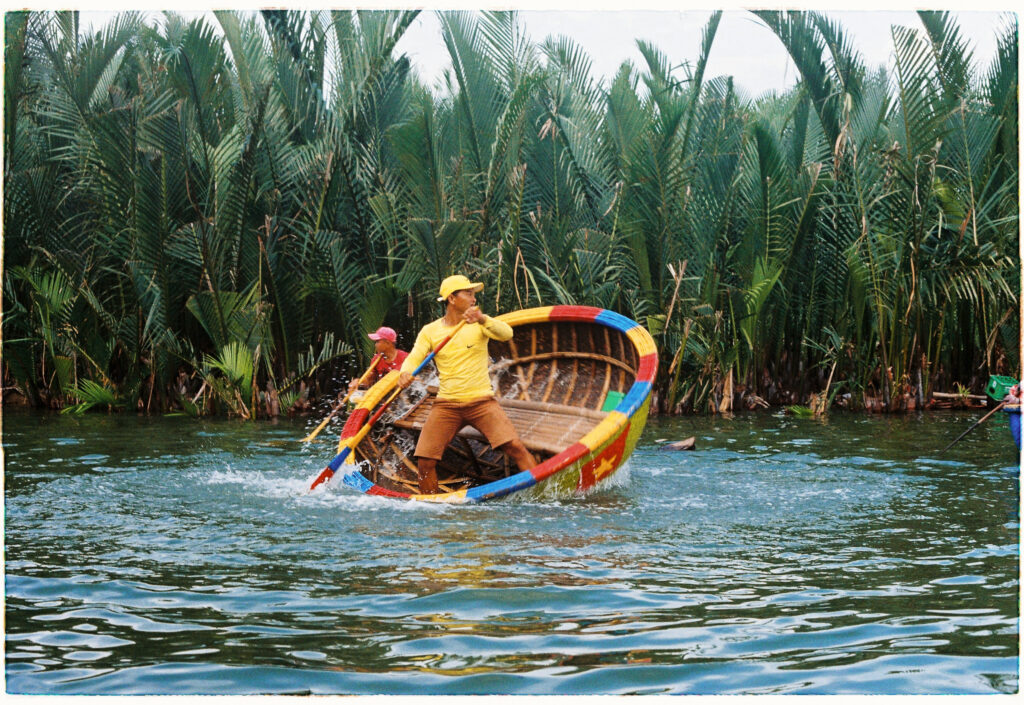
column 263, row 484
column 334, row 493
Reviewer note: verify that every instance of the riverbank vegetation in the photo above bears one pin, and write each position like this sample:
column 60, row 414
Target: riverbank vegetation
column 211, row 218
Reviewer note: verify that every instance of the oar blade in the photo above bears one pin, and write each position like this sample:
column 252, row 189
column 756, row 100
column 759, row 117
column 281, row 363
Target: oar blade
column 325, row 475
column 328, row 472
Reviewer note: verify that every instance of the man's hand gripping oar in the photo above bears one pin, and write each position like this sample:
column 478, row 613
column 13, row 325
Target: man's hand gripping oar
column 328, row 472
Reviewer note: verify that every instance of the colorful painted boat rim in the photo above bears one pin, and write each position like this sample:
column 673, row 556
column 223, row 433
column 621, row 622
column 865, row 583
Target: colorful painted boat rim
column 606, row 443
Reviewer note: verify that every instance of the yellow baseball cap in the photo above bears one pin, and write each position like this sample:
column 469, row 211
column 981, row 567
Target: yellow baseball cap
column 457, row 282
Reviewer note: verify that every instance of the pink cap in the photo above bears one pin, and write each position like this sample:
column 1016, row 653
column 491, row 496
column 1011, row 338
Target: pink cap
column 384, row 333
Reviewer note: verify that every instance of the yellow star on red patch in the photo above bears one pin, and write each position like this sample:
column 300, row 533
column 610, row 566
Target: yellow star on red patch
column 606, row 466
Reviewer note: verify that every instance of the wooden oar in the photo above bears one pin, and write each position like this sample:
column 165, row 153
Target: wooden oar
column 340, row 404
column 328, row 472
column 983, row 419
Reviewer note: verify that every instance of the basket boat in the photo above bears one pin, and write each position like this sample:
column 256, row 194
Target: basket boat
column 574, row 380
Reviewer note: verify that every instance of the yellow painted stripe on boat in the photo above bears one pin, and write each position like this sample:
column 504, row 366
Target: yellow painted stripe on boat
column 642, row 340
column 604, row 431
column 457, row 497
column 531, row 315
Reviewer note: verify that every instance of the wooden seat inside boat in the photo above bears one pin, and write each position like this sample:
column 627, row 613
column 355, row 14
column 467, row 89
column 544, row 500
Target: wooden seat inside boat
column 543, row 428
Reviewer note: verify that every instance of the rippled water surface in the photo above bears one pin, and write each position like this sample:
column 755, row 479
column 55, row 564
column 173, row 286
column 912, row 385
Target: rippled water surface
column 167, row 555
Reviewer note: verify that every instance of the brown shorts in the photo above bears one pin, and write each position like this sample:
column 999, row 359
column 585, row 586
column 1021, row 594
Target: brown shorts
column 447, row 418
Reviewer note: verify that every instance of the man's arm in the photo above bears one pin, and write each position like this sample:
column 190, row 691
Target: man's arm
column 495, row 329
column 358, row 381
column 418, row 354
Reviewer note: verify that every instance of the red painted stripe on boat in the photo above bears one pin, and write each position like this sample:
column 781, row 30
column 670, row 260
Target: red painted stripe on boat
column 355, row 422
column 558, row 462
column 648, row 368
column 573, row 313
column 383, row 492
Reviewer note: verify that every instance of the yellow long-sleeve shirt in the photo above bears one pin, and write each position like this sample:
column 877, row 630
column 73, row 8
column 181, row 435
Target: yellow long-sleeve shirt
column 462, row 363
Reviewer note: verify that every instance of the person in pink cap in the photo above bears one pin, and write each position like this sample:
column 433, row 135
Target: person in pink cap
column 384, row 340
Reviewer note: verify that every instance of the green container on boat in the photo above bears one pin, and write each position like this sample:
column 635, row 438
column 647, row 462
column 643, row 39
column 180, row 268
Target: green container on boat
column 612, row 400
column 998, row 386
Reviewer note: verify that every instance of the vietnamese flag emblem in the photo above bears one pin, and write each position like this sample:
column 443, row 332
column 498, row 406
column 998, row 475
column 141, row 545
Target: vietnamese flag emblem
column 605, row 462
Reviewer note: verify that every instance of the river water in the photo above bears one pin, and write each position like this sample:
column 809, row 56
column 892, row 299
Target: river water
column 784, row 555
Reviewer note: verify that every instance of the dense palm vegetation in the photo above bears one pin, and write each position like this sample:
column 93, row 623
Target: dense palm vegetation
column 211, row 218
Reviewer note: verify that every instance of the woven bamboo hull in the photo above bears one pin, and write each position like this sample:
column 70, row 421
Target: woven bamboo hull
column 561, row 367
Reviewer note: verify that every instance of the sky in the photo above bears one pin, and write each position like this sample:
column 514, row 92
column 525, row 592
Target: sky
column 744, row 47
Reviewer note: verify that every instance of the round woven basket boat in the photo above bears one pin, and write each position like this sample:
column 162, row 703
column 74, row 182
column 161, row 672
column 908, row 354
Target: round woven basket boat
column 574, row 380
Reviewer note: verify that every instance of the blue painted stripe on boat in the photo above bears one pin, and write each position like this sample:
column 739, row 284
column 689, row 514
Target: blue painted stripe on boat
column 356, row 480
column 615, row 320
column 634, row 399
column 337, row 460
column 502, row 487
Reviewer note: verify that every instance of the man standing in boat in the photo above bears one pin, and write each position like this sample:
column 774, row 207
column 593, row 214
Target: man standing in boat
column 391, row 358
column 465, row 396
